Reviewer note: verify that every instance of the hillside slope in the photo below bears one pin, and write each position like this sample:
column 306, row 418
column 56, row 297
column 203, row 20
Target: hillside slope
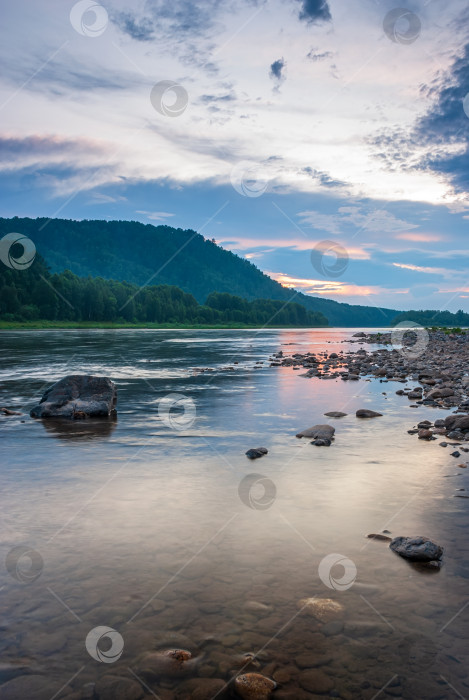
column 147, row 254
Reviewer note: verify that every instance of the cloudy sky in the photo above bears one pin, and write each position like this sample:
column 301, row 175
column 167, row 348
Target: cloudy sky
column 277, row 127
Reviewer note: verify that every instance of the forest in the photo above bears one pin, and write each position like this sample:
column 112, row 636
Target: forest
column 36, row 294
column 136, row 253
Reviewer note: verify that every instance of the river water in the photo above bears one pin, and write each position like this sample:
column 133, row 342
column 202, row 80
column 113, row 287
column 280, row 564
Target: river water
column 153, row 525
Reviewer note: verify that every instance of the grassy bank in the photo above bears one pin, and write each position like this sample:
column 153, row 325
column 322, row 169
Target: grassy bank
column 44, row 325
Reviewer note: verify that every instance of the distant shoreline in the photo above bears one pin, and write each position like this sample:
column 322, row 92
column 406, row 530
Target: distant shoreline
column 97, row 325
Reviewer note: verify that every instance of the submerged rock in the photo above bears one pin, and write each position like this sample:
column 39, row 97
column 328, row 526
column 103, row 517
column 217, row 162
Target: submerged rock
column 381, row 538
column 321, row 432
column 169, row 663
column 254, row 686
column 335, row 414
column 416, row 548
column 367, row 413
column 323, row 609
column 78, row 396
column 117, row 688
column 256, row 452
column 321, row 442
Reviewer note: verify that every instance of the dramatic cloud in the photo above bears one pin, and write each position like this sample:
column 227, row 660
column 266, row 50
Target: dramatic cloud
column 277, row 69
column 315, row 10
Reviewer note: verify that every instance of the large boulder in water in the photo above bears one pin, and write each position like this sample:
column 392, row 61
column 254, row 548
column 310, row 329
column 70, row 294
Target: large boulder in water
column 78, row 396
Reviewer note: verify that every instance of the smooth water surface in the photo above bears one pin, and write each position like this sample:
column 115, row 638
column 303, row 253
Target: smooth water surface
column 147, row 527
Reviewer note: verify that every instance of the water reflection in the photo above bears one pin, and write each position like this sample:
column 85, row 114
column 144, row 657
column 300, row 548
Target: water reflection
column 76, row 430
column 143, row 530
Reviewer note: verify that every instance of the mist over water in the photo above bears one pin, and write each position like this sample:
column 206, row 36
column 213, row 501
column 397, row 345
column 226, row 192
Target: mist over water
column 145, row 528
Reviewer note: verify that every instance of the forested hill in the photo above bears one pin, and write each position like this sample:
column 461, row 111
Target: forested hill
column 142, row 253
column 34, row 294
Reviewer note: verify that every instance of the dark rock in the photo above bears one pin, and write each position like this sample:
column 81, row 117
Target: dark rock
column 416, row 548
column 321, row 442
column 367, row 413
column 425, row 434
column 78, row 396
column 256, row 452
column 32, row 687
column 117, row 688
column 455, row 454
column 382, row 538
column 315, row 681
column 335, row 414
column 323, row 432
column 457, row 422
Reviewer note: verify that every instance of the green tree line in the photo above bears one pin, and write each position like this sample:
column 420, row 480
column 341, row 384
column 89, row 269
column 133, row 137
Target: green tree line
column 434, row 318
column 36, row 294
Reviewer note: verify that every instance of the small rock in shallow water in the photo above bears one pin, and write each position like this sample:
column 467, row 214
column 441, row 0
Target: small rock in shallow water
column 315, row 681
column 416, row 548
column 455, row 454
column 117, row 688
column 382, row 538
column 256, row 452
column 425, row 434
column 323, row 609
column 335, row 414
column 254, row 686
column 322, row 432
column 321, row 442
column 367, row 413
column 78, row 396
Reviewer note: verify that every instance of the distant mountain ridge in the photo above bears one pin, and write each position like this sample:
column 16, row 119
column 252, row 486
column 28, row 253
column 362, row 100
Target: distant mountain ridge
column 145, row 254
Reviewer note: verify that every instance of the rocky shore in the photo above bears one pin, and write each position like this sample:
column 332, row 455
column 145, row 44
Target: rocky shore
column 437, row 365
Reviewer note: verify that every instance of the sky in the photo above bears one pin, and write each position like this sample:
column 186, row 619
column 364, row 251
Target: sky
column 324, row 140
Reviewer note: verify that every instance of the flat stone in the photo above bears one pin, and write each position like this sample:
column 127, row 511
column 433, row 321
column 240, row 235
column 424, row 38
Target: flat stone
column 117, row 688
column 322, row 432
column 335, row 414
column 315, row 681
column 323, row 609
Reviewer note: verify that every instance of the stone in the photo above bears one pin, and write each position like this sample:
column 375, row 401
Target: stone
column 457, row 422
column 315, row 681
column 78, row 396
column 335, row 414
column 117, row 688
column 382, row 538
column 209, row 688
column 416, row 548
column 31, row 687
column 322, row 432
column 169, row 663
column 323, row 609
column 256, row 452
column 367, row 413
column 425, row 434
column 440, row 393
column 321, row 442
column 455, row 454
column 254, row 686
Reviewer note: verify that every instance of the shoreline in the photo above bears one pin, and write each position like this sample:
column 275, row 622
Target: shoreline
column 98, row 325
